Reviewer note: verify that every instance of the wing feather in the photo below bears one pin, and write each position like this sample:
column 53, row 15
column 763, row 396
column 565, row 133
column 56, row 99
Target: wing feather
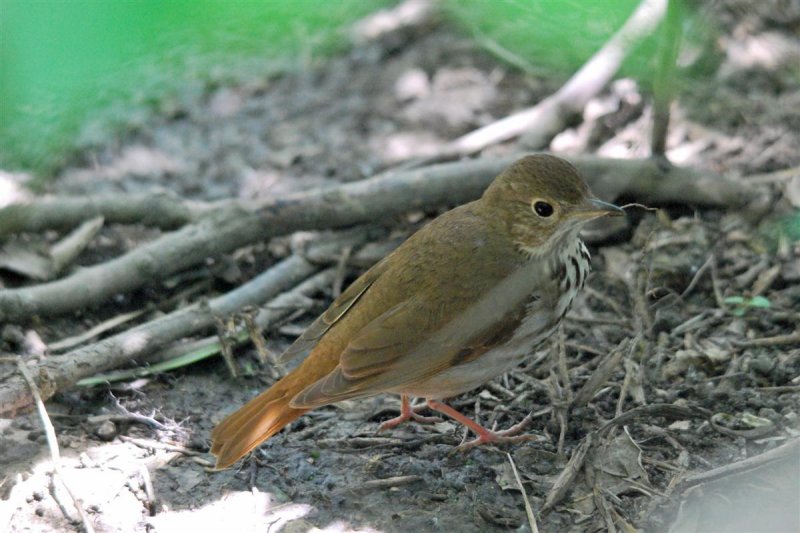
column 306, row 342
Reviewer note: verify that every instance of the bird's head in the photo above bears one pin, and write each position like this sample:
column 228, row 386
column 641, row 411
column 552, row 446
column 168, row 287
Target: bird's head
column 543, row 200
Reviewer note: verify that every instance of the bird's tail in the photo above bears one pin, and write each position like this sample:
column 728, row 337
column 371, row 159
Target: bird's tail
column 255, row 422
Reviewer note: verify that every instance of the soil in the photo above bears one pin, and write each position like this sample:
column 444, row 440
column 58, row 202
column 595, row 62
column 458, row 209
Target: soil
column 135, row 453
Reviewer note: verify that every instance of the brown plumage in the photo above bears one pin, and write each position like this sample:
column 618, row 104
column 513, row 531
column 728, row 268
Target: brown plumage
column 461, row 301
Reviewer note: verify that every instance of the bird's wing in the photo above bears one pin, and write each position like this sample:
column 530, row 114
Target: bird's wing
column 375, row 357
column 433, row 312
column 312, row 335
column 418, row 339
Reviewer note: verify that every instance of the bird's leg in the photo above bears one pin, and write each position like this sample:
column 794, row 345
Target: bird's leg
column 406, row 414
column 484, row 435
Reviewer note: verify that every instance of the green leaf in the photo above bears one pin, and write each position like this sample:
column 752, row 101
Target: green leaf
column 758, row 301
column 741, row 304
column 734, row 300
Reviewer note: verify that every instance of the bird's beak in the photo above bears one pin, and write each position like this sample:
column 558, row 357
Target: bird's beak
column 594, row 208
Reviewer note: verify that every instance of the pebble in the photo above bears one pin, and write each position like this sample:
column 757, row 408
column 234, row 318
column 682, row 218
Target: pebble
column 106, row 430
column 762, row 364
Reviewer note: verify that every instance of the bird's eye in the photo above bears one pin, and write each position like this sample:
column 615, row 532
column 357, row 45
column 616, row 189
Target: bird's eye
column 543, row 209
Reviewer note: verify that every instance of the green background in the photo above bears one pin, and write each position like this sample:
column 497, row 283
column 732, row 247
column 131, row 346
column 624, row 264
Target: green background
column 66, row 65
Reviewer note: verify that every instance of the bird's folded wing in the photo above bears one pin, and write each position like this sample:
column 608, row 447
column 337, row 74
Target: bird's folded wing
column 385, row 354
column 311, row 336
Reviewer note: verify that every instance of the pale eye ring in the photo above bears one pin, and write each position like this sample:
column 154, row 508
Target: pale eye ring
column 542, row 208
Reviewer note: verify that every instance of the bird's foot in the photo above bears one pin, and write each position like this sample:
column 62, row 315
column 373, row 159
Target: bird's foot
column 408, row 413
column 494, row 437
column 485, row 436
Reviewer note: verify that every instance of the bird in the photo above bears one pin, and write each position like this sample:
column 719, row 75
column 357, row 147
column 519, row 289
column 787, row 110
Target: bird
column 463, row 300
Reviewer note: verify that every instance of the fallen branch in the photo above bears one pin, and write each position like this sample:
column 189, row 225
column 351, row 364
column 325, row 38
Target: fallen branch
column 161, row 210
column 26, row 261
column 552, row 115
column 236, row 224
column 783, row 452
column 184, row 354
column 62, row 371
column 385, row 21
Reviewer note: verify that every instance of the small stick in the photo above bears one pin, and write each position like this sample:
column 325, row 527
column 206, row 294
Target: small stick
column 225, row 333
column 623, row 391
column 93, row 332
column 666, row 410
column 387, row 482
column 528, row 510
column 601, row 374
column 550, row 116
column 52, row 441
column 149, row 491
column 341, row 271
column 65, row 251
column 560, row 408
column 257, row 338
column 697, row 276
column 129, row 417
column 598, row 321
column 563, row 371
column 715, row 285
column 777, row 340
column 568, row 475
column 154, row 445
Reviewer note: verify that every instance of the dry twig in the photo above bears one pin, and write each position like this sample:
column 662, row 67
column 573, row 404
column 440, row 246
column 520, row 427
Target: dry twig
column 528, row 510
column 568, row 474
column 52, row 440
column 551, row 116
column 777, row 340
column 160, row 210
column 602, row 373
column 387, row 483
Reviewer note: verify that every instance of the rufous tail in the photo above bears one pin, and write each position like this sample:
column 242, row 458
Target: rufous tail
column 255, row 422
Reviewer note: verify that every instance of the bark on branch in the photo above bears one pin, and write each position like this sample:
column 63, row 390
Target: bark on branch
column 62, row 371
column 165, row 211
column 234, row 225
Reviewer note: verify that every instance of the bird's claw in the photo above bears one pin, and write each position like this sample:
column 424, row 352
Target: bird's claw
column 405, row 417
column 494, row 438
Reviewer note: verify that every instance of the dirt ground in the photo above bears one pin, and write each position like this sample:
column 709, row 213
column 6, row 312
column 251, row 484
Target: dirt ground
column 135, row 453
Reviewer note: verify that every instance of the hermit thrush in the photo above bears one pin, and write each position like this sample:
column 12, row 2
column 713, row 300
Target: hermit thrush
column 462, row 301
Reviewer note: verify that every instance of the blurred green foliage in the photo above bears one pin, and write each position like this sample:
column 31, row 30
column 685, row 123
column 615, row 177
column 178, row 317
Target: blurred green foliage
column 103, row 63
column 65, row 62
column 783, row 227
column 556, row 36
column 741, row 304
